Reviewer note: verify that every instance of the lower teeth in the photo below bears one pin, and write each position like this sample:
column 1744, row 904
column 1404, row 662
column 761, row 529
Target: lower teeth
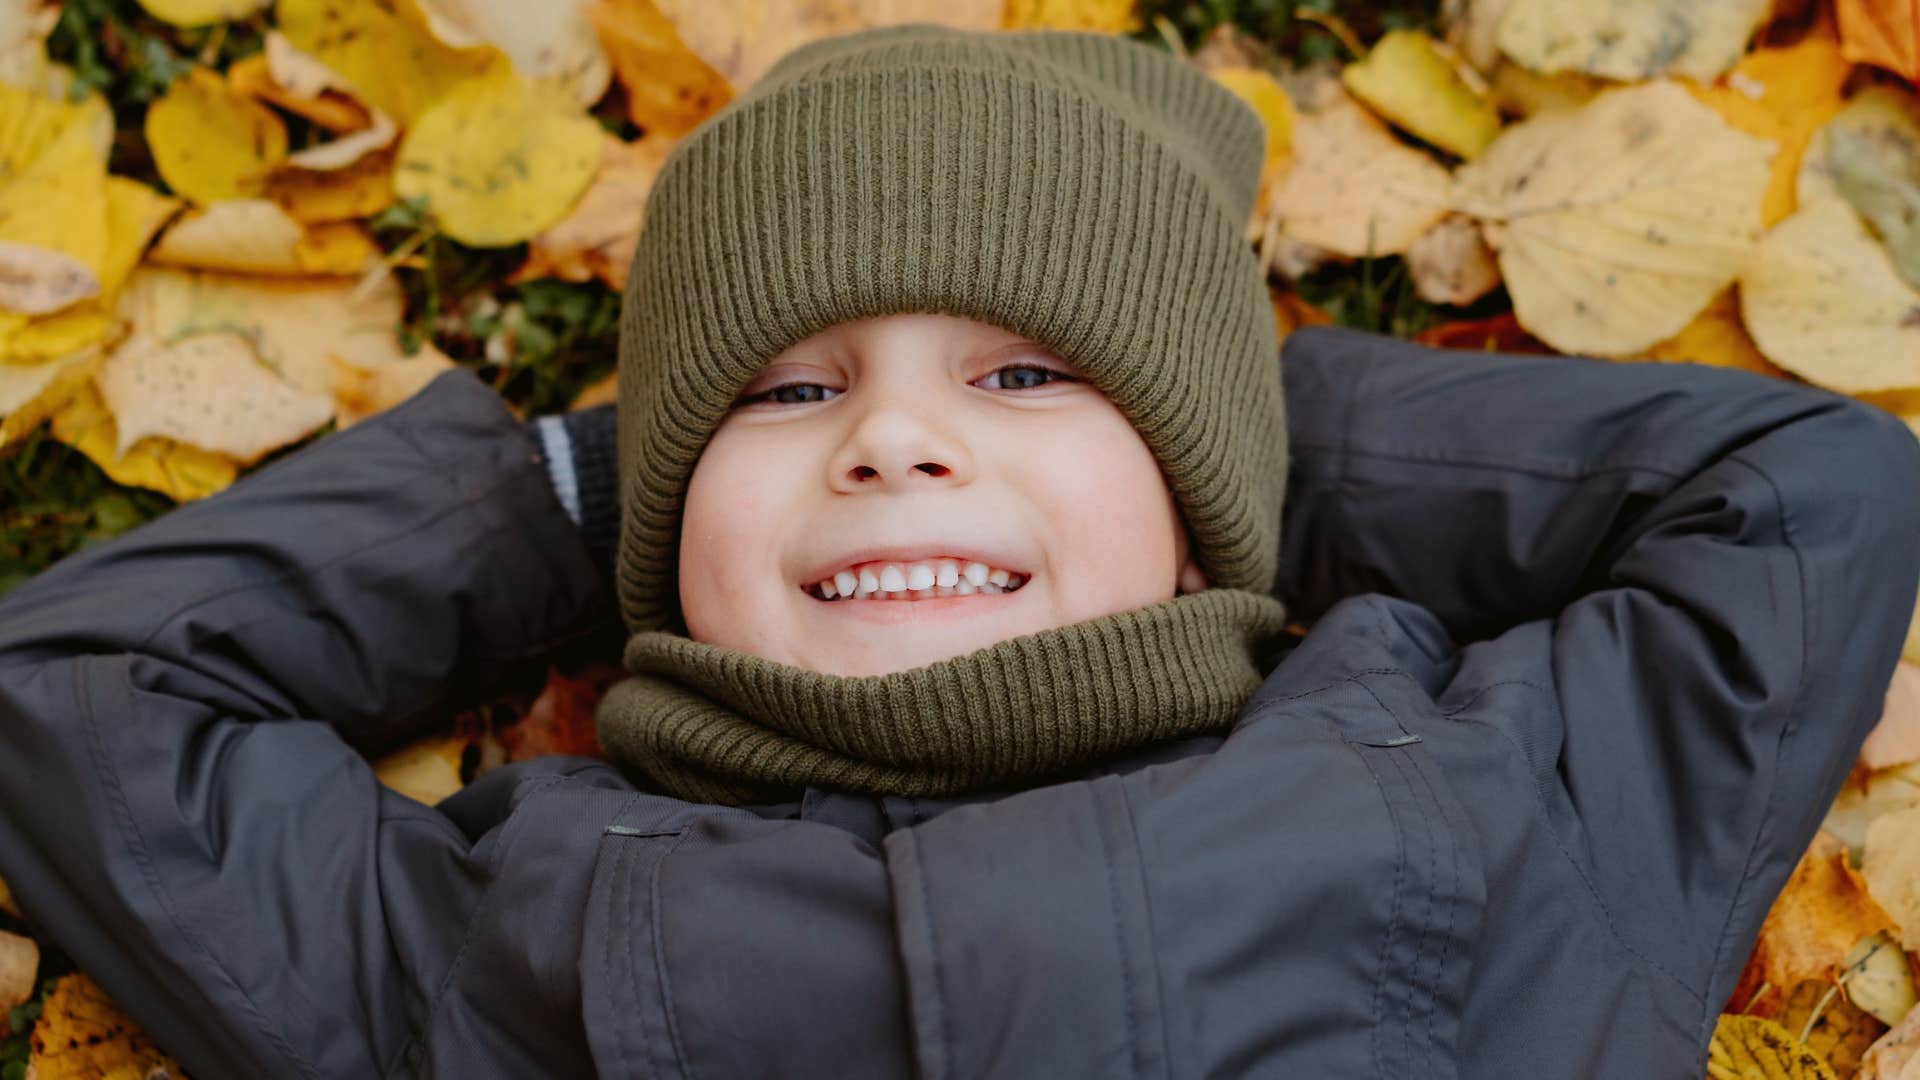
column 988, row 589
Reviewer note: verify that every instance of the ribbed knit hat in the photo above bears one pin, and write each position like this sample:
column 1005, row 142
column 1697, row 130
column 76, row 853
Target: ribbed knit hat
column 1083, row 190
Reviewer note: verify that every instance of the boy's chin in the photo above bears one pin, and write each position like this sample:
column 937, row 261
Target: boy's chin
column 884, row 637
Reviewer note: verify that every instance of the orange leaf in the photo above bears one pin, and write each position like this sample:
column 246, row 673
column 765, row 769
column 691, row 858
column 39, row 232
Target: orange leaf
column 83, row 1035
column 1501, row 333
column 1882, row 32
column 1817, row 918
column 561, row 718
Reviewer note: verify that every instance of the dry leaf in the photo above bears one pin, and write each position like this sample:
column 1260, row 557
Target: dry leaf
column 361, row 392
column 358, row 190
column 1822, row 300
column 1103, row 16
column 6, row 900
column 1891, row 866
column 1784, row 94
column 1878, row 979
column 1882, row 32
column 1470, row 26
column 550, row 42
column 1867, row 795
column 1617, row 223
column 1405, row 79
column 1819, row 916
column 1629, row 39
column 1896, row 1054
column 1718, row 337
column 1497, row 333
column 604, row 392
column 83, row 1035
column 670, row 90
column 426, row 771
column 30, row 393
column 39, row 281
column 327, row 101
column 202, row 12
column 293, row 324
column 1352, row 188
column 1895, row 740
column 19, row 969
column 30, row 122
column 58, row 202
column 257, row 236
column 1520, row 92
column 1270, row 103
column 561, row 719
column 211, row 142
column 208, row 391
column 1752, row 1048
column 597, row 237
column 382, row 50
column 498, row 158
column 741, row 39
column 24, row 28
column 1452, row 264
column 1873, row 161
column 1840, row 1031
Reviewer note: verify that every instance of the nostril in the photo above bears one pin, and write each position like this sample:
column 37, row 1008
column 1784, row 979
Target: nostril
column 932, row 468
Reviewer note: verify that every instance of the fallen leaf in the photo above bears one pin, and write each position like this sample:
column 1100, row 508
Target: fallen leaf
column 1821, row 913
column 561, row 719
column 1885, row 33
column 1785, row 94
column 1878, row 979
column 1270, row 103
column 1496, row 333
column 315, row 93
column 1876, row 168
column 1405, row 79
column 1470, row 27
column 1617, row 223
column 670, row 89
column 1822, row 300
column 1891, row 866
column 1291, row 312
column 1452, row 263
column 38, row 281
column 208, row 391
column 361, row 392
column 1102, row 16
column 1629, row 39
column 293, row 324
column 1717, row 337
column 1895, row 740
column 19, row 969
column 1753, row 1048
column 83, row 1035
column 211, row 142
column 598, row 236
column 1519, row 91
column 1352, row 188
column 202, row 12
column 258, row 236
column 58, row 202
column 1835, row 1029
column 1867, row 795
column 604, row 392
column 1896, row 1054
column 550, row 42
column 24, row 28
column 384, row 51
column 360, row 189
column 30, row 122
column 348, row 150
column 1881, row 114
column 30, row 393
column 426, row 771
column 6, row 900
column 741, row 39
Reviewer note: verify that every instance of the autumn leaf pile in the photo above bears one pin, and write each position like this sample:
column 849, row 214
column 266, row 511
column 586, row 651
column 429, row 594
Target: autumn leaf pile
column 1732, row 182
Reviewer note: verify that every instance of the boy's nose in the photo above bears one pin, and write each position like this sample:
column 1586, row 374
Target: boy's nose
column 898, row 445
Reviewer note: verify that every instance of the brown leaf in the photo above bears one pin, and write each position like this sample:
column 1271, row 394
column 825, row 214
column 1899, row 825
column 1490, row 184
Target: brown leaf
column 1882, row 32
column 1821, row 913
column 561, row 718
column 209, row 391
column 1498, row 333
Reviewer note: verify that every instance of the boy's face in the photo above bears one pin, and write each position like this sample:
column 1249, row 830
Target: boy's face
column 919, row 439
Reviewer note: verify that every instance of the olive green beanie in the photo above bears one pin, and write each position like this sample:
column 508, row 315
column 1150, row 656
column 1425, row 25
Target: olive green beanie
column 1083, row 190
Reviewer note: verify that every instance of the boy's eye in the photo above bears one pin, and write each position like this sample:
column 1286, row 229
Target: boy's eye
column 1023, row 377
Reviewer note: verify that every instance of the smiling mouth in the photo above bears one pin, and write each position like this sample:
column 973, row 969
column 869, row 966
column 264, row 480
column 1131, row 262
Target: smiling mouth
column 893, row 582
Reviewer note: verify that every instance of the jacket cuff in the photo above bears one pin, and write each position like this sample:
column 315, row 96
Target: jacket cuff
column 582, row 457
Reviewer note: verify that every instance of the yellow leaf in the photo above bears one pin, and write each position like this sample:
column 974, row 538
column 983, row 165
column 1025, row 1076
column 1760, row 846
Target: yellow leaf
column 182, row 472
column 1716, row 337
column 293, row 324
column 1630, row 39
column 743, row 38
column 24, row 28
column 426, row 771
column 1891, row 865
column 202, row 12
column 1104, row 16
column 1783, row 94
column 1523, row 92
column 1405, row 79
column 498, row 158
column 59, row 202
column 134, row 212
column 359, row 190
column 1895, row 740
column 361, row 392
column 384, row 51
column 669, row 88
column 1752, row 1048
column 1617, row 223
column 330, row 105
column 549, row 42
column 1824, row 909
column 83, row 1035
column 83, row 325
column 208, row 391
column 257, row 236
column 210, row 142
column 597, row 238
column 29, row 393
column 1822, row 300
column 1352, row 188
column 19, row 966
column 1877, row 978
column 1270, row 103
column 30, row 122
column 37, row 281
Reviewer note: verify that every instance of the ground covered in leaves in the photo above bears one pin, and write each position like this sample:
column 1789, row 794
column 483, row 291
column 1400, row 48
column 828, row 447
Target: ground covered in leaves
column 228, row 227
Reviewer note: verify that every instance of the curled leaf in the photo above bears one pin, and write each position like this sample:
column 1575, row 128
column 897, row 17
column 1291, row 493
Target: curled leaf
column 1877, row 978
column 670, row 89
column 1405, row 79
column 257, row 236
column 384, row 51
column 210, row 142
column 550, row 42
column 1352, row 188
column 1452, row 263
column 1824, row 909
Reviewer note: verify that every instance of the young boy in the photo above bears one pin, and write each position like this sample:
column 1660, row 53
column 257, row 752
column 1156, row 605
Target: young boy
column 1592, row 647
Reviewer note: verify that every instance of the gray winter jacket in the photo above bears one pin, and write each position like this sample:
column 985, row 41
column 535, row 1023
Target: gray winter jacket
column 1593, row 647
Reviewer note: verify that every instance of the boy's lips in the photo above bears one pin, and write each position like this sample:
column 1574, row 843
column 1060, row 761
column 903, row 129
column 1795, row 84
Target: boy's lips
column 932, row 609
column 912, row 553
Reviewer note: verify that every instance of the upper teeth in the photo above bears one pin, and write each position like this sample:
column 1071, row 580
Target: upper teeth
column 938, row 577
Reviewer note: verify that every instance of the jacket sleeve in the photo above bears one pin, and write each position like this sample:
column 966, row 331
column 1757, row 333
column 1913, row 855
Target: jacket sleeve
column 181, row 805
column 1714, row 571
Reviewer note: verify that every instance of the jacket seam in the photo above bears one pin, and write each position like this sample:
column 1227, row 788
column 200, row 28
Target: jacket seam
column 130, row 834
column 1146, row 902
column 1788, row 730
column 1374, row 1015
column 660, row 956
column 928, row 925
column 623, row 874
column 1119, row 945
column 1453, row 902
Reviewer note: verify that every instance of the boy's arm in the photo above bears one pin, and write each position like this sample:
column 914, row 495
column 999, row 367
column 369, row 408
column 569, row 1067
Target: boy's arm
column 178, row 808
column 1708, row 572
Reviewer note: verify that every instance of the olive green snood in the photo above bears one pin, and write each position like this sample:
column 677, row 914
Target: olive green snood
column 1085, row 191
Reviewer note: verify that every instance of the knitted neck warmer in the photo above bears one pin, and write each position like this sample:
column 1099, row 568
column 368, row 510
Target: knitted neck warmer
column 717, row 725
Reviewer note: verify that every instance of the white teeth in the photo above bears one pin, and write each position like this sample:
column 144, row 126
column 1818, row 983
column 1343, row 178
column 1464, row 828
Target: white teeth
column 891, row 579
column 846, row 581
column 868, row 583
column 948, row 574
column 965, row 588
column 919, row 577
column 829, row 590
column 976, row 573
column 999, row 577
column 908, row 581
